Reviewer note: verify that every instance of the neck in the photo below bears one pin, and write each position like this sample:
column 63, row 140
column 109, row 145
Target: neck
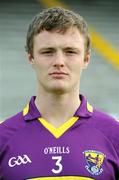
column 57, row 109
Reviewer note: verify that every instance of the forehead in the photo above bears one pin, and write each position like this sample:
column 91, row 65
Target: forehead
column 72, row 37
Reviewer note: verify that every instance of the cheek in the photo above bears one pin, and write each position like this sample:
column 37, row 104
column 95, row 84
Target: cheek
column 78, row 72
column 75, row 73
column 37, row 67
column 37, row 63
column 77, row 66
column 41, row 69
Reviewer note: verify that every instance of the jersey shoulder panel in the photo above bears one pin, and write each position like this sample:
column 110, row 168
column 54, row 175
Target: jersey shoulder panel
column 9, row 127
column 108, row 126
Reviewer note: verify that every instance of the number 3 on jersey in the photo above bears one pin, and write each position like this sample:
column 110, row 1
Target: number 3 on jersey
column 58, row 164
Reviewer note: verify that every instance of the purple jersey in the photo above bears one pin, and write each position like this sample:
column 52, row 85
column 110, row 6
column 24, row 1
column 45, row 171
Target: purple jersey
column 84, row 148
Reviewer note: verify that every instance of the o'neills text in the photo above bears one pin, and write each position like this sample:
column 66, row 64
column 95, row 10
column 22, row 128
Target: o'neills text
column 57, row 150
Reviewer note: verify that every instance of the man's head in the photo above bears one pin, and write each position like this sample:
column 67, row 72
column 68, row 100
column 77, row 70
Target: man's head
column 56, row 19
column 58, row 47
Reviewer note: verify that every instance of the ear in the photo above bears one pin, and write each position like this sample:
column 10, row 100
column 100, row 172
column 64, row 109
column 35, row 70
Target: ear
column 30, row 58
column 86, row 59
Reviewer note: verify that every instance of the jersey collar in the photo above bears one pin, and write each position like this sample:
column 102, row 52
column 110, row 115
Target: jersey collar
column 30, row 112
column 85, row 109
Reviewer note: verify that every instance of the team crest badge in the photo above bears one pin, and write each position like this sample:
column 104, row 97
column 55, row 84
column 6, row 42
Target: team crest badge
column 94, row 161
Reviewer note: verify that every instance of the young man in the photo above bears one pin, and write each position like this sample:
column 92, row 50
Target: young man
column 59, row 135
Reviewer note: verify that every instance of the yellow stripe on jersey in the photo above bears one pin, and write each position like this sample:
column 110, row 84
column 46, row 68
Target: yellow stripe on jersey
column 89, row 107
column 57, row 132
column 62, row 177
column 26, row 109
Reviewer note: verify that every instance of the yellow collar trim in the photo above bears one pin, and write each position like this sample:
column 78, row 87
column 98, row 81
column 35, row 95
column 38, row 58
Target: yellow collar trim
column 26, row 109
column 89, row 107
column 57, row 132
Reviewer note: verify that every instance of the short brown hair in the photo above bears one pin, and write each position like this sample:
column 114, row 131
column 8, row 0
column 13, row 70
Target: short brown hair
column 56, row 18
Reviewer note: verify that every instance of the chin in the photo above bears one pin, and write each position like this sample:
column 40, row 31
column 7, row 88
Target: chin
column 58, row 90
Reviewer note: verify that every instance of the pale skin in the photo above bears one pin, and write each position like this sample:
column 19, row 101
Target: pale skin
column 58, row 60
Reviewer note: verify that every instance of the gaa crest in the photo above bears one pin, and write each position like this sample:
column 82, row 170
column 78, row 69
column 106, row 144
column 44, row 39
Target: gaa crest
column 94, row 161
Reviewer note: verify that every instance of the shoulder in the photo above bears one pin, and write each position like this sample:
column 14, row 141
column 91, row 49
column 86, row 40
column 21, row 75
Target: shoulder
column 103, row 119
column 108, row 126
column 9, row 127
column 12, row 121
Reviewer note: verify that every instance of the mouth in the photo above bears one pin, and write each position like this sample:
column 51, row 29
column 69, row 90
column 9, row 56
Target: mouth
column 58, row 74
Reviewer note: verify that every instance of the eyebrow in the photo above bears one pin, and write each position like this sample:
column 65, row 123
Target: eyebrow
column 72, row 48
column 65, row 48
column 46, row 48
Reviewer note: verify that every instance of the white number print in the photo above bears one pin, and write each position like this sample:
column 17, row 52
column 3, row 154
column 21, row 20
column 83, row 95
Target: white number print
column 58, row 164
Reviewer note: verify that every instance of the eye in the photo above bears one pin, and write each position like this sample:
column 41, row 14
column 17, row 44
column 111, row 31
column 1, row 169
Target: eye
column 47, row 52
column 71, row 52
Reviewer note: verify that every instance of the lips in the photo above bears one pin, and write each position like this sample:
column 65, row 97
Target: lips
column 58, row 73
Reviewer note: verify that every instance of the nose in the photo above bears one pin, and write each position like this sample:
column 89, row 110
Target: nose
column 59, row 59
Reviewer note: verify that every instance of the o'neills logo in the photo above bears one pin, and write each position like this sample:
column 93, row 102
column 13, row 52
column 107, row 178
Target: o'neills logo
column 57, row 150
